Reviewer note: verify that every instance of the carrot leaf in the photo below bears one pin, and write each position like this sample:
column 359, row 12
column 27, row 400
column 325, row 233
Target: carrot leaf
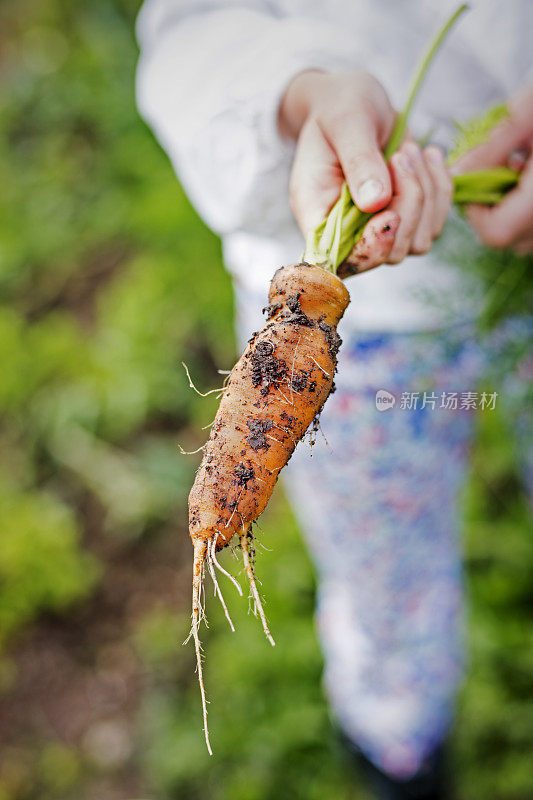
column 476, row 131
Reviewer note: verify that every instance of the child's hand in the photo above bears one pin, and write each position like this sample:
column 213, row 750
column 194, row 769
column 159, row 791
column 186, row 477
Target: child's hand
column 509, row 224
column 342, row 123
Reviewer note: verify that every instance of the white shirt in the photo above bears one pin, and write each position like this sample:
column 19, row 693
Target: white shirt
column 210, row 78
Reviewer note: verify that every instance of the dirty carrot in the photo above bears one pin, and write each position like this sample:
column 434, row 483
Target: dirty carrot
column 274, row 392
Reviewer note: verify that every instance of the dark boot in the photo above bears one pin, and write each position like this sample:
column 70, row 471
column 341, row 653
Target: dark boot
column 431, row 782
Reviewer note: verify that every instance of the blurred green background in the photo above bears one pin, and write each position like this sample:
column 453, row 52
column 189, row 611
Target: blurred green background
column 108, row 280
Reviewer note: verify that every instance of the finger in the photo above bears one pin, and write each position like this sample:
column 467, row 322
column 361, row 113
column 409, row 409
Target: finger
column 436, row 164
column 355, row 138
column 316, row 178
column 524, row 247
column 374, row 246
column 423, row 236
column 518, row 158
column 407, row 203
column 511, row 220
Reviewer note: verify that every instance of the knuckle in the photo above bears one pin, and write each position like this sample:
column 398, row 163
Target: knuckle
column 333, row 121
column 397, row 256
column 413, row 191
column 358, row 162
column 411, row 223
column 446, row 187
column 421, row 246
column 364, row 77
column 496, row 238
column 417, row 191
column 364, row 87
column 439, row 227
column 428, row 186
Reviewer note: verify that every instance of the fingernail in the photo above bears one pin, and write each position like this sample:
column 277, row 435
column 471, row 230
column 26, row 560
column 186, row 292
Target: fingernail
column 369, row 192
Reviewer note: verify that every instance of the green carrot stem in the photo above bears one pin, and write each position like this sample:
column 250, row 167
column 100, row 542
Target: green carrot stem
column 486, row 187
column 478, row 197
column 333, row 240
column 491, row 179
column 418, row 79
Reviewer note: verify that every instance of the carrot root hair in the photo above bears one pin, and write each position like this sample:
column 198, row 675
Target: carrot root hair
column 219, row 566
column 191, row 452
column 253, row 585
column 204, row 551
column 192, row 386
column 200, row 551
column 210, row 563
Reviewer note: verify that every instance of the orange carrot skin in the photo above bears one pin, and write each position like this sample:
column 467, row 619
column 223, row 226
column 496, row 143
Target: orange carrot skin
column 273, row 393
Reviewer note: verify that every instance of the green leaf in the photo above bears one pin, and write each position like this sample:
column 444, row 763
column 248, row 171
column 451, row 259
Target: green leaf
column 476, row 131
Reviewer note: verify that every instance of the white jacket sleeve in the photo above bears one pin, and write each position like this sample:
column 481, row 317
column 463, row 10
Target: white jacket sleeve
column 209, row 82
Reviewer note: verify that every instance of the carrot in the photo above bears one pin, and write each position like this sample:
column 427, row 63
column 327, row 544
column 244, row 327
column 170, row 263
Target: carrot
column 274, row 392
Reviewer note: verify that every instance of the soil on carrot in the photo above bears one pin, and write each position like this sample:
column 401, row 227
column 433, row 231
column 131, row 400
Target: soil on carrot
column 258, row 429
column 266, row 368
column 298, row 317
column 333, row 339
column 243, row 474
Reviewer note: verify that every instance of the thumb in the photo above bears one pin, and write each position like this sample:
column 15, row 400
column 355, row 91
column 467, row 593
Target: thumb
column 316, row 179
column 356, row 142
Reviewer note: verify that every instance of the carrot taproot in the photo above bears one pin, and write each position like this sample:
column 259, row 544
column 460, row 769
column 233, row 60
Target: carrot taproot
column 272, row 395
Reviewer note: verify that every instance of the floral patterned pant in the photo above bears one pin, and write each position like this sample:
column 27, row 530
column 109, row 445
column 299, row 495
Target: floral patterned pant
column 379, row 504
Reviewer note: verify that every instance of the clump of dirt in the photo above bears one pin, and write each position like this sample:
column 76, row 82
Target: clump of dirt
column 314, row 428
column 333, row 340
column 266, row 368
column 288, row 418
column 258, row 428
column 299, row 381
column 243, row 474
column 298, row 317
column 272, row 309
